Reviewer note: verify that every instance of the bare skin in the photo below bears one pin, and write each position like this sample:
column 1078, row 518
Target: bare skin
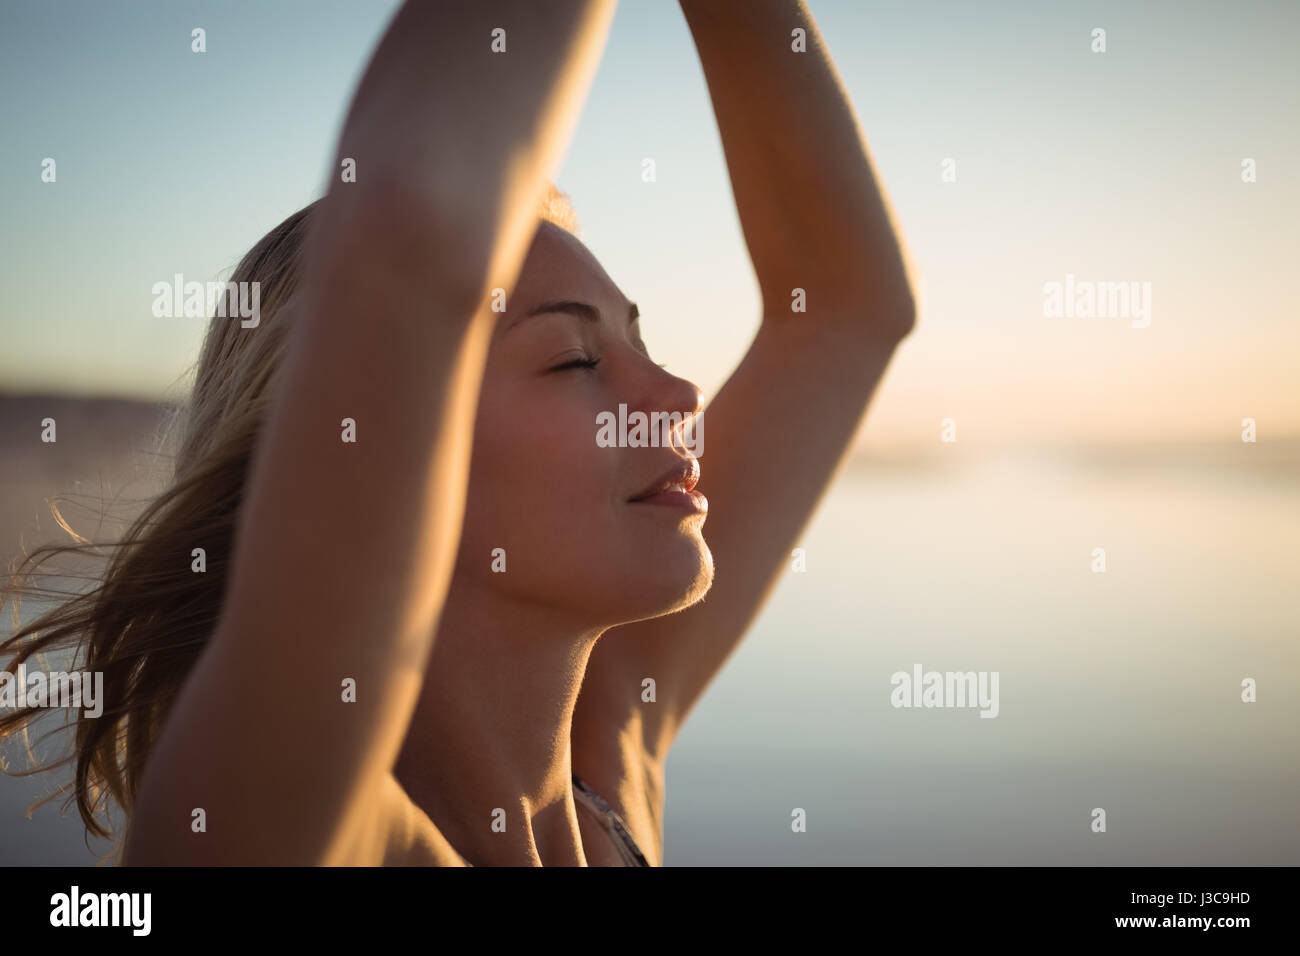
column 480, row 690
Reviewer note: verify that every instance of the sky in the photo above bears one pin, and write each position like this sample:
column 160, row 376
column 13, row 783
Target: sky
column 1122, row 166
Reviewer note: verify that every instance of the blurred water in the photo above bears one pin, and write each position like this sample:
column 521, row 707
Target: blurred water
column 1118, row 690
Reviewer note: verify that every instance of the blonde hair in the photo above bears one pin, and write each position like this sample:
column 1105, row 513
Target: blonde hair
column 147, row 618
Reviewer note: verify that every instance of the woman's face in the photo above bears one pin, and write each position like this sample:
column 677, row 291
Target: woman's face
column 542, row 487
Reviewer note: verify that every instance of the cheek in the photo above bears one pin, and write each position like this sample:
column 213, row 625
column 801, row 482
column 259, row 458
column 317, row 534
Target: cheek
column 543, row 490
column 539, row 478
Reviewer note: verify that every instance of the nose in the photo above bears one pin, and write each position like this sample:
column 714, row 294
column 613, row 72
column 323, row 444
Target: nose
column 684, row 396
column 683, row 401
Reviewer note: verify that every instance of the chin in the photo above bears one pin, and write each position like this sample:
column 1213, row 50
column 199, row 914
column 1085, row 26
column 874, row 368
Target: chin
column 668, row 586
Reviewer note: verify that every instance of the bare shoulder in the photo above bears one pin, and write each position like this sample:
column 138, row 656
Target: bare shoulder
column 404, row 835
column 610, row 753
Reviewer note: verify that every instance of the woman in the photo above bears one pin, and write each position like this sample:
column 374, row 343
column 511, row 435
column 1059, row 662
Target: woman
column 440, row 623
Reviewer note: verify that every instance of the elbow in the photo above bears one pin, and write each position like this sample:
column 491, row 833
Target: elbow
column 891, row 316
column 907, row 316
column 896, row 315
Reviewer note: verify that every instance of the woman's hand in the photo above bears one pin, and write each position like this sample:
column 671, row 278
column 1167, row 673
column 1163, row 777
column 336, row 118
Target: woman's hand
column 808, row 199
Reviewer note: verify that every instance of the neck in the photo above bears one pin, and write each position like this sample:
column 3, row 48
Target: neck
column 492, row 730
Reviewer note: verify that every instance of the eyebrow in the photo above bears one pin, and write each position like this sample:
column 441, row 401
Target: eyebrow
column 583, row 310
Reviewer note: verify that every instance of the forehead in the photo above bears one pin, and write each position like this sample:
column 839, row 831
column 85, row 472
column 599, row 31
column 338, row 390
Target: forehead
column 557, row 266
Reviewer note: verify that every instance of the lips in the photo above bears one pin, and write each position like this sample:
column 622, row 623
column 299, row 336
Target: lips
column 683, row 476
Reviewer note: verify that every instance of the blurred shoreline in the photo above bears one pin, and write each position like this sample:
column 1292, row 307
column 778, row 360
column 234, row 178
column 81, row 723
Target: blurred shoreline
column 110, row 447
column 1119, row 689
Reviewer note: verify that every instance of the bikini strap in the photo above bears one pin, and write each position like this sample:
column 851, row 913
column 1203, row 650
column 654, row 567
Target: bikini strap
column 612, row 822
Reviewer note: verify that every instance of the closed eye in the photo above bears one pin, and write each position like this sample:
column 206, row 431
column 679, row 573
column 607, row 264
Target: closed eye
column 585, row 361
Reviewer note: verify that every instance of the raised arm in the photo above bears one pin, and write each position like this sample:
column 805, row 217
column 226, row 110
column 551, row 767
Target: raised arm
column 814, row 219
column 808, row 199
column 343, row 551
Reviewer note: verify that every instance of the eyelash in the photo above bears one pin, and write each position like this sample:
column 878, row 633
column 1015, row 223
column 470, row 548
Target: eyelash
column 588, row 362
column 585, row 362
